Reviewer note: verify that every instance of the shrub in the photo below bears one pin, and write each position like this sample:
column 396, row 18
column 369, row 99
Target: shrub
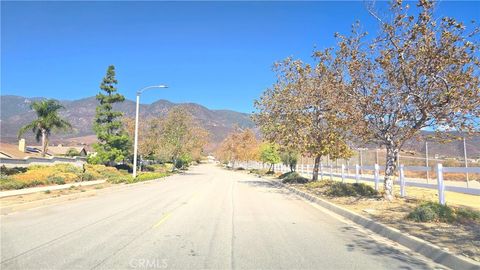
column 254, row 171
column 431, row 211
column 293, row 178
column 69, row 177
column 72, row 152
column 149, row 176
column 128, row 179
column 162, row 167
column 102, row 171
column 467, row 214
column 148, row 168
column 125, row 167
column 320, row 184
column 121, row 179
column 179, row 163
column 7, row 183
column 41, row 175
column 87, row 176
column 338, row 189
column 57, row 180
column 34, row 183
column 11, row 171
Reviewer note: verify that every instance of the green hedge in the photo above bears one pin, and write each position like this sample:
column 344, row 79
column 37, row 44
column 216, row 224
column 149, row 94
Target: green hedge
column 128, row 179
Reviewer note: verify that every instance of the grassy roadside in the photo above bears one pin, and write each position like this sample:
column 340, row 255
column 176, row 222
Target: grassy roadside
column 60, row 174
column 455, row 228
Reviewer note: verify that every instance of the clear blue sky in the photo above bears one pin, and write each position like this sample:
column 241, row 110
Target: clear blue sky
column 218, row 54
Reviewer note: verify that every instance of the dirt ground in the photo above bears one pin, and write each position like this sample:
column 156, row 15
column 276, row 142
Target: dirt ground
column 20, row 199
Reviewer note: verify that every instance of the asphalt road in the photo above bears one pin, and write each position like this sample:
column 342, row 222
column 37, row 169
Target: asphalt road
column 208, row 218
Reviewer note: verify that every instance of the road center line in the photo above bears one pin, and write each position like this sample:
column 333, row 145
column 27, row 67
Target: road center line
column 167, row 215
column 163, row 219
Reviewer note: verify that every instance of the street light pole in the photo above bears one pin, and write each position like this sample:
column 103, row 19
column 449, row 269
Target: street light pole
column 135, row 145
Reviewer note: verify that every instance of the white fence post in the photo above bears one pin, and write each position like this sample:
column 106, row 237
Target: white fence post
column 402, row 181
column 343, row 173
column 357, row 173
column 331, row 172
column 440, row 185
column 377, row 176
column 321, row 171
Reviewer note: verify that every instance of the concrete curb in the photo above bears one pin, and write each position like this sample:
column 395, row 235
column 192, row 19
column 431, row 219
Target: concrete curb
column 427, row 249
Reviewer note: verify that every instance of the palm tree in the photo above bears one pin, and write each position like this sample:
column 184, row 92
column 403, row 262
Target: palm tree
column 47, row 121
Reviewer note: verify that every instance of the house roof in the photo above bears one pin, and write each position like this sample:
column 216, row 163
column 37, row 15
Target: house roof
column 11, row 151
column 60, row 149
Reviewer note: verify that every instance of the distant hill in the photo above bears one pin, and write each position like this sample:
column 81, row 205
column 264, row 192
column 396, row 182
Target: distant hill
column 15, row 112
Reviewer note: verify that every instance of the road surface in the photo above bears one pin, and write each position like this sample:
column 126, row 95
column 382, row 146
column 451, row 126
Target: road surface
column 208, row 218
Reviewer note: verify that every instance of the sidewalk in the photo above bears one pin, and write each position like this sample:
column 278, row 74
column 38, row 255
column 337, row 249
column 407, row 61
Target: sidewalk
column 23, row 191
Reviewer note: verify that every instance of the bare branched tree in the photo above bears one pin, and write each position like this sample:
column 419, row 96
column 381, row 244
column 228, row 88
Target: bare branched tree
column 417, row 73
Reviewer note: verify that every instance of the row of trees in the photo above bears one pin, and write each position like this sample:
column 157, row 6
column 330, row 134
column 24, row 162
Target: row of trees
column 242, row 145
column 177, row 137
column 416, row 72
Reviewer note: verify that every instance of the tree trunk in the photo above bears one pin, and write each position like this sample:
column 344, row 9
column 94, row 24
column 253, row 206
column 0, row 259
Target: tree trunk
column 391, row 165
column 270, row 169
column 44, row 142
column 315, row 168
column 174, row 164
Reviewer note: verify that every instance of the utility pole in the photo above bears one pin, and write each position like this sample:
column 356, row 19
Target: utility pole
column 135, row 145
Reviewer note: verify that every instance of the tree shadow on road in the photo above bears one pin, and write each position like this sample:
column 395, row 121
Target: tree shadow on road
column 266, row 186
column 363, row 243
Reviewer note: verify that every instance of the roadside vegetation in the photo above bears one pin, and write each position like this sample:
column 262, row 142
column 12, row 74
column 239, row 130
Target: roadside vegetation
column 59, row 174
column 166, row 144
column 416, row 71
column 293, row 177
column 435, row 212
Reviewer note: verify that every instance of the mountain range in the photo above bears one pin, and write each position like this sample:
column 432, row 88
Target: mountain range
column 15, row 112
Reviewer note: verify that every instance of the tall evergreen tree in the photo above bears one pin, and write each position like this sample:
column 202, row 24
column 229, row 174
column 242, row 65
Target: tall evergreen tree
column 114, row 143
